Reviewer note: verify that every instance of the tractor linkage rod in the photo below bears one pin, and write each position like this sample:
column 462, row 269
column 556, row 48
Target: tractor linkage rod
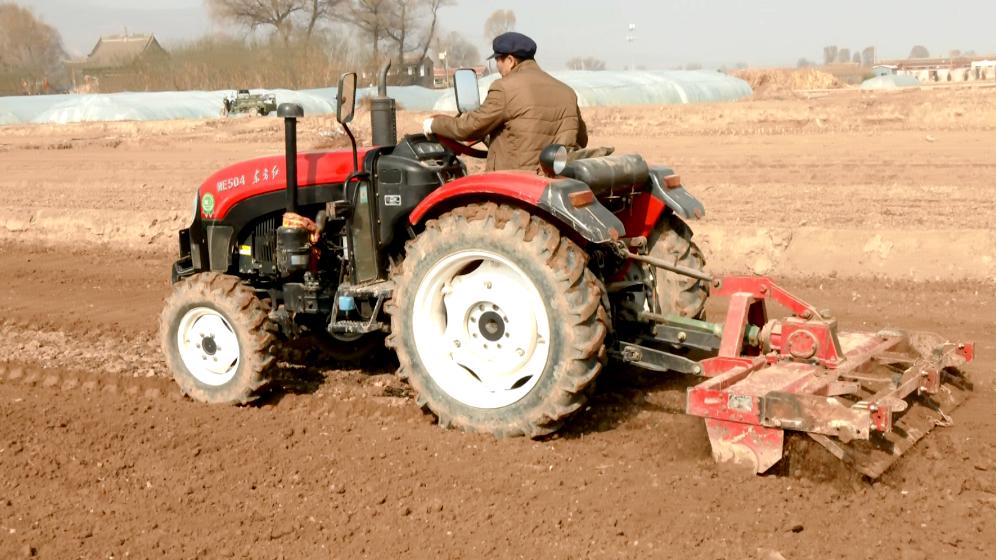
column 677, row 269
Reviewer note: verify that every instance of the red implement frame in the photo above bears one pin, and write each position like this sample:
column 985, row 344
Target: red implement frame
column 807, row 377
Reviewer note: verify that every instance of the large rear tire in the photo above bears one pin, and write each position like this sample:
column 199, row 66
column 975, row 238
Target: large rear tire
column 680, row 295
column 217, row 339
column 498, row 324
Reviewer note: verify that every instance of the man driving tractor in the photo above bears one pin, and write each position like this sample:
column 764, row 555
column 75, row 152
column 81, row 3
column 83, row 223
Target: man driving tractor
column 525, row 111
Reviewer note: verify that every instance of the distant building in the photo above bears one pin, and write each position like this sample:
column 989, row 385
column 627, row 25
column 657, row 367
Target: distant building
column 954, row 69
column 115, row 61
column 416, row 71
column 116, row 51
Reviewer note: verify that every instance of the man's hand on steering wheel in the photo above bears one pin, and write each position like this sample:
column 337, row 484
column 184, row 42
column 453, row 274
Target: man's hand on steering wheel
column 459, row 148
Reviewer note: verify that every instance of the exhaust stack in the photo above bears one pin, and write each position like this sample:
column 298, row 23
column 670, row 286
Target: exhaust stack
column 293, row 237
column 383, row 114
column 290, row 112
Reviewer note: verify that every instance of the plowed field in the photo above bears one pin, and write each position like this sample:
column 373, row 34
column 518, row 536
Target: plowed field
column 880, row 207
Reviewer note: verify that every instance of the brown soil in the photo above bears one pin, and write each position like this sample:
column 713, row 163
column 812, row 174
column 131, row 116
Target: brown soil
column 101, row 458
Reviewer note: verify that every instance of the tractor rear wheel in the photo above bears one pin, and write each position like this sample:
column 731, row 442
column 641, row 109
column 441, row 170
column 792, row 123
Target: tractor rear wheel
column 217, row 339
column 498, row 324
column 671, row 240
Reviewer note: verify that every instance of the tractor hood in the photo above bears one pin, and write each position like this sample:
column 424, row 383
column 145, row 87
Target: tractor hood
column 238, row 182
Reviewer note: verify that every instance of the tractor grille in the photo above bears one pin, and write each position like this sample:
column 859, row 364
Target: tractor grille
column 264, row 239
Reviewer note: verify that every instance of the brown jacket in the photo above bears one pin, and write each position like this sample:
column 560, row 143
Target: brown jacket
column 524, row 112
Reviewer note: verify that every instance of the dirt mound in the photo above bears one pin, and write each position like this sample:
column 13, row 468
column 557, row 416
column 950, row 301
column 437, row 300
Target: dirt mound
column 779, row 82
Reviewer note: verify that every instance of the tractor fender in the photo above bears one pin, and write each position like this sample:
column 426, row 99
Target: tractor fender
column 676, row 198
column 568, row 200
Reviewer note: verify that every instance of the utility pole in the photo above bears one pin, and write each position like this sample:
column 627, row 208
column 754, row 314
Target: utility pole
column 446, row 70
column 630, row 38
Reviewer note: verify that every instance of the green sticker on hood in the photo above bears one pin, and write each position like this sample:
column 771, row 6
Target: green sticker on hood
column 207, row 204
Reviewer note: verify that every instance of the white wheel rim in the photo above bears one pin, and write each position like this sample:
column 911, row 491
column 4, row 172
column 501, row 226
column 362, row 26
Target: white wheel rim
column 481, row 329
column 208, row 346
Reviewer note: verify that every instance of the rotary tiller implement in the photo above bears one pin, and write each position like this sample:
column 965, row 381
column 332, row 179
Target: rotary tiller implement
column 867, row 397
column 504, row 294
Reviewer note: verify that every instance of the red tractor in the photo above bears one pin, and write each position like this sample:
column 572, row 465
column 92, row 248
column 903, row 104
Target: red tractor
column 504, row 295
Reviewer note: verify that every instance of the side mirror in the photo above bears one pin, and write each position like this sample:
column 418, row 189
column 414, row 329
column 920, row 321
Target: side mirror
column 345, row 99
column 468, row 96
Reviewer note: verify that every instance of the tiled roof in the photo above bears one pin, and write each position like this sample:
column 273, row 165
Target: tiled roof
column 120, row 50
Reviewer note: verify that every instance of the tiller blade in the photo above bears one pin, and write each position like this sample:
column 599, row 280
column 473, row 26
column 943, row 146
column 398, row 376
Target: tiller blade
column 867, row 397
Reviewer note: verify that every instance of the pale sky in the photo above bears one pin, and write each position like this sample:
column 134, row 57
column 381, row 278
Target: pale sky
column 668, row 32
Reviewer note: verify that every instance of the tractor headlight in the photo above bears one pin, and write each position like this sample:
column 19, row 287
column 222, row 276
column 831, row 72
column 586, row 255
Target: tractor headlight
column 553, row 160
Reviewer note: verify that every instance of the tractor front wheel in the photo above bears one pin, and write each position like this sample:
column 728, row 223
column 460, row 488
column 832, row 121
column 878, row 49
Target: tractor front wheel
column 216, row 338
column 497, row 321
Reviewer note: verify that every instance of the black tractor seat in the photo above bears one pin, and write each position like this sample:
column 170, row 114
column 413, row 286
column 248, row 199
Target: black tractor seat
column 604, row 174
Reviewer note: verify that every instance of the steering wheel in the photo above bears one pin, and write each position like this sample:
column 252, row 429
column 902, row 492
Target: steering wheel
column 461, row 149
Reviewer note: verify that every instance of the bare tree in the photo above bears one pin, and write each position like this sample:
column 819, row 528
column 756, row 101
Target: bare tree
column 26, row 41
column 804, row 63
column 29, row 48
column 430, row 30
column 401, row 19
column 856, row 58
column 411, row 24
column 919, row 51
column 500, row 21
column 318, row 10
column 459, row 51
column 257, row 14
column 370, row 17
column 585, row 63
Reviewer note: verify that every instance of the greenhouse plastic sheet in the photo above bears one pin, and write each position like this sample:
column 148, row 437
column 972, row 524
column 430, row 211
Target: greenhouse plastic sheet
column 612, row 89
column 593, row 89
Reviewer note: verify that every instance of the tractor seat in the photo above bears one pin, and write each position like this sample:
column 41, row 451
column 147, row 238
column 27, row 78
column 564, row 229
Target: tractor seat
column 603, row 174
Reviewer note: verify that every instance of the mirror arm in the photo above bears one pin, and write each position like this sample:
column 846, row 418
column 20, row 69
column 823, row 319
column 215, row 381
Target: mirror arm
column 352, row 140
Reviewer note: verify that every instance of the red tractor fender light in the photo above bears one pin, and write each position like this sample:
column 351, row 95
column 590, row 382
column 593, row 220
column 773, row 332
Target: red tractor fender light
column 672, row 181
column 581, row 199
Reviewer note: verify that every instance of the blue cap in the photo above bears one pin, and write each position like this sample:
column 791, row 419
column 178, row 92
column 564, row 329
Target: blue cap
column 515, row 44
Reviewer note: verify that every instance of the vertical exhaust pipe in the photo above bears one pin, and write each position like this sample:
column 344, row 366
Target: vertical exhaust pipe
column 383, row 114
column 293, row 243
column 290, row 112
